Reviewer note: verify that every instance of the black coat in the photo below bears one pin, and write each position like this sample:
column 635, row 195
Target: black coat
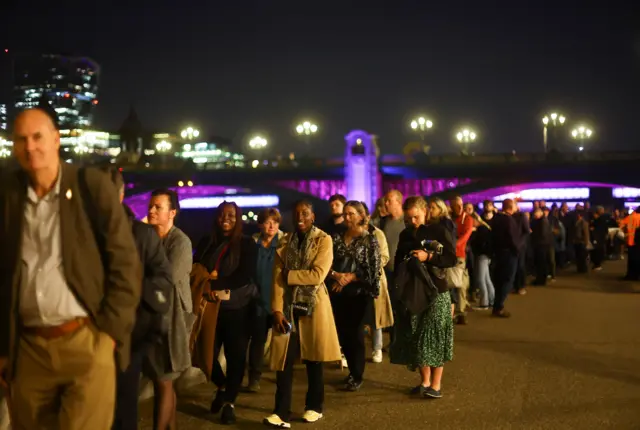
column 411, row 238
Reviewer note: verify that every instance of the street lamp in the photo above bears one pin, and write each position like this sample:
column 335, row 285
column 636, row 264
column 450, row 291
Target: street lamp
column 258, row 143
column 190, row 133
column 554, row 119
column 581, row 134
column 421, row 125
column 466, row 136
column 306, row 130
column 163, row 146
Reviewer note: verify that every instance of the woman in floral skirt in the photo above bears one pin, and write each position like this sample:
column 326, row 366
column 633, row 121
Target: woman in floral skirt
column 425, row 341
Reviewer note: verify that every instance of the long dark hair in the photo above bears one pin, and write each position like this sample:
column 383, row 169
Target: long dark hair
column 236, row 233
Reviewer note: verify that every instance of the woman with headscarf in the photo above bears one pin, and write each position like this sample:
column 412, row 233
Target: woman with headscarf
column 303, row 318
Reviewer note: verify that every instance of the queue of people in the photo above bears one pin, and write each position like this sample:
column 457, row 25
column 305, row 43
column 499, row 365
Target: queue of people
column 92, row 299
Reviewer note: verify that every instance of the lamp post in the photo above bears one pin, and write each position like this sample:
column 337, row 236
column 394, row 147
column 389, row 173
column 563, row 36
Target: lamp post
column 421, row 126
column 552, row 120
column 466, row 136
column 305, row 130
column 190, row 133
column 581, row 134
column 258, row 143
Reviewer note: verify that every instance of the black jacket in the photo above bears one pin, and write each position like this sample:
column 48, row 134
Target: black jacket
column 157, row 282
column 504, row 234
column 541, row 234
column 411, row 239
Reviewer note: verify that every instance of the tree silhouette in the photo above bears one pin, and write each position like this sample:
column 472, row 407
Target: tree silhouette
column 131, row 132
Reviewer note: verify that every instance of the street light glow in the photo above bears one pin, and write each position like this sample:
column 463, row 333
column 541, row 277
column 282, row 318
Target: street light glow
column 163, row 146
column 466, row 135
column 258, row 143
column 307, row 128
column 190, row 133
column 545, row 120
column 421, row 124
column 581, row 133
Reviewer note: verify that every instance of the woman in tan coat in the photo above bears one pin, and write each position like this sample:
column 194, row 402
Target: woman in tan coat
column 303, row 319
column 382, row 303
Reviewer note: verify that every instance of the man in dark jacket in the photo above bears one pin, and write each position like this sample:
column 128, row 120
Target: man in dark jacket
column 157, row 286
column 599, row 233
column 541, row 241
column 522, row 238
column 504, row 239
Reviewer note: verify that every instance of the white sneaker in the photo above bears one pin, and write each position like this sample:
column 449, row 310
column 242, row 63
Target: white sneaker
column 345, row 365
column 311, row 416
column 377, row 357
column 275, row 421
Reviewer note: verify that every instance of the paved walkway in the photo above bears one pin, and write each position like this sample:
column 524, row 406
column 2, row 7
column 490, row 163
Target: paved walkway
column 568, row 358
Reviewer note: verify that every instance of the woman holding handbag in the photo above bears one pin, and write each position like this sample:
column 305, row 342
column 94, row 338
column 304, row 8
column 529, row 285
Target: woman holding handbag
column 354, row 282
column 230, row 259
column 303, row 319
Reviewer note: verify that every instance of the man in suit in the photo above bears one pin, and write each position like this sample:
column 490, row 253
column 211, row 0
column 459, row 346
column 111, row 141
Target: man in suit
column 69, row 288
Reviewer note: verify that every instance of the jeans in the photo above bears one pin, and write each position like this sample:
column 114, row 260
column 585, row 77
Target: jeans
column 349, row 314
column 284, row 383
column 520, row 279
column 483, row 280
column 261, row 324
column 506, row 267
column 376, row 339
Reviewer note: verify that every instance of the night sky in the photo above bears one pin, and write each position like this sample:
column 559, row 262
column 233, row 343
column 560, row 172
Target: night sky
column 265, row 65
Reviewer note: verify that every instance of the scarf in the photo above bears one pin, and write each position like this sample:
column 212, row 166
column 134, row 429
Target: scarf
column 297, row 257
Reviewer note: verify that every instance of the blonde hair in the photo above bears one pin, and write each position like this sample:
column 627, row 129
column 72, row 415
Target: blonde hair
column 414, row 202
column 444, row 210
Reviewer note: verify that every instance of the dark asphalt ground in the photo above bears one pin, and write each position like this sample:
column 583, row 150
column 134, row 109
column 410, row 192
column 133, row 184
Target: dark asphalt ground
column 568, row 358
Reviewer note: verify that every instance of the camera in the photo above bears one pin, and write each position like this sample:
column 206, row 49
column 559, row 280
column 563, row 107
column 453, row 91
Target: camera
column 432, row 246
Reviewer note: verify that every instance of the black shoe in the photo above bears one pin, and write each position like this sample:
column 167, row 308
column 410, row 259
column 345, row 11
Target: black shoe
column 217, row 403
column 228, row 416
column 419, row 390
column 353, row 386
column 348, row 379
column 432, row 394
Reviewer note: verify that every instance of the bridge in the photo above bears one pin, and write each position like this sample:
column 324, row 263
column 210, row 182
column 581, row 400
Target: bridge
column 476, row 178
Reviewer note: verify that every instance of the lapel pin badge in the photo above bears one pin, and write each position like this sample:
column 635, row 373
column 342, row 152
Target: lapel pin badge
column 68, row 194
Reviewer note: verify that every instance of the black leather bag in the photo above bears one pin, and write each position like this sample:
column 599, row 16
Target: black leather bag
column 414, row 286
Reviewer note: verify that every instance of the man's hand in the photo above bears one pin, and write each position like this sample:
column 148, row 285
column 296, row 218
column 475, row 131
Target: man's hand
column 4, row 367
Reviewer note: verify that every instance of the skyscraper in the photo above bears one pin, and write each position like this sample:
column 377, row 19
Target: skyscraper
column 69, row 83
column 3, row 118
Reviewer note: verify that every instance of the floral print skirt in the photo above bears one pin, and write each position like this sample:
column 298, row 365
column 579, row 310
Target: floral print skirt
column 425, row 339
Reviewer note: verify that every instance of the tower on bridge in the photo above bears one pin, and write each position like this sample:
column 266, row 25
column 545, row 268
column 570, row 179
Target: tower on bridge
column 361, row 168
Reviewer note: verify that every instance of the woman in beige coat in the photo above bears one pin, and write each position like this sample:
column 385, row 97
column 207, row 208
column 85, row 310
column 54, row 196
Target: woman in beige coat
column 303, row 319
column 382, row 303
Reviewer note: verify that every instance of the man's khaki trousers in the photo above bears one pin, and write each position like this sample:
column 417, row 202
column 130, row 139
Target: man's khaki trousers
column 66, row 383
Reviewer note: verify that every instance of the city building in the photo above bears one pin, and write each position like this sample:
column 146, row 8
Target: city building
column 208, row 155
column 3, row 118
column 70, row 84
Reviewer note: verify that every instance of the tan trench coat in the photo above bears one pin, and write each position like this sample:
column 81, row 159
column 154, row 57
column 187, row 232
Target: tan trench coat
column 318, row 335
column 382, row 304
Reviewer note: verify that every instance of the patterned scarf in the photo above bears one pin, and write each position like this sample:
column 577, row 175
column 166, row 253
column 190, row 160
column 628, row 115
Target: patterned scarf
column 298, row 258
